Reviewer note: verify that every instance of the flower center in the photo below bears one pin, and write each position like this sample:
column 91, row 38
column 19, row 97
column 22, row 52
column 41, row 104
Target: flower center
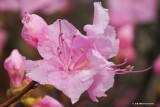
column 71, row 59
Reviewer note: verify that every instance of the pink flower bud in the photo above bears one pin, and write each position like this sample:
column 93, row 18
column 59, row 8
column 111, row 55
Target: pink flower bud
column 157, row 66
column 35, row 29
column 48, row 101
column 14, row 64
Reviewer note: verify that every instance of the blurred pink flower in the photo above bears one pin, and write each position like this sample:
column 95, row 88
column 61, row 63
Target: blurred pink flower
column 157, row 66
column 74, row 63
column 132, row 11
column 48, row 101
column 128, row 53
column 14, row 64
column 31, row 6
column 126, row 37
column 9, row 5
column 47, row 6
column 3, row 37
column 56, row 5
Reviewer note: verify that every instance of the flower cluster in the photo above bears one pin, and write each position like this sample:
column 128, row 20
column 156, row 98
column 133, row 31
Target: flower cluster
column 73, row 62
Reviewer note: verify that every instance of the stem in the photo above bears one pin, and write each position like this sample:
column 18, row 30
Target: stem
column 20, row 94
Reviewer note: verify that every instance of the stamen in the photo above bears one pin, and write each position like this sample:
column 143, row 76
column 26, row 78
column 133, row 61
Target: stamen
column 70, row 61
column 121, row 64
column 72, row 57
column 82, row 50
column 58, row 48
column 74, row 36
column 128, row 67
column 61, row 44
column 130, row 70
column 60, row 52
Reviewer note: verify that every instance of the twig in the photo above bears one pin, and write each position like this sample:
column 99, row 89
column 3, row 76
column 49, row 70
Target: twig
column 20, row 94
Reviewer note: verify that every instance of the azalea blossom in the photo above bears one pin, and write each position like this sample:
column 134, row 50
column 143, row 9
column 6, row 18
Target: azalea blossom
column 132, row 11
column 48, row 101
column 14, row 65
column 72, row 62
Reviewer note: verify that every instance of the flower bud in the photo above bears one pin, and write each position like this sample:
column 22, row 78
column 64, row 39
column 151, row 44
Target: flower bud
column 14, row 64
column 35, row 29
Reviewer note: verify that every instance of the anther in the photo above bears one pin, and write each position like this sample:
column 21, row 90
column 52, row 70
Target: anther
column 72, row 57
column 69, row 69
column 58, row 48
column 61, row 34
column 131, row 68
column 60, row 51
column 62, row 39
column 128, row 67
column 74, row 36
column 82, row 50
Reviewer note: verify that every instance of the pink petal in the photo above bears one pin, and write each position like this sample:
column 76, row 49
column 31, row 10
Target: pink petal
column 35, row 29
column 48, row 49
column 37, row 72
column 67, row 29
column 48, row 101
column 106, row 44
column 103, row 81
column 70, row 84
column 94, row 59
column 100, row 21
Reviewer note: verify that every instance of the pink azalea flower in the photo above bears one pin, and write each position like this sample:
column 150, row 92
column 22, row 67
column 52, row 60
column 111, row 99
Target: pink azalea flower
column 74, row 63
column 157, row 66
column 14, row 64
column 48, row 101
column 131, row 11
column 2, row 39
